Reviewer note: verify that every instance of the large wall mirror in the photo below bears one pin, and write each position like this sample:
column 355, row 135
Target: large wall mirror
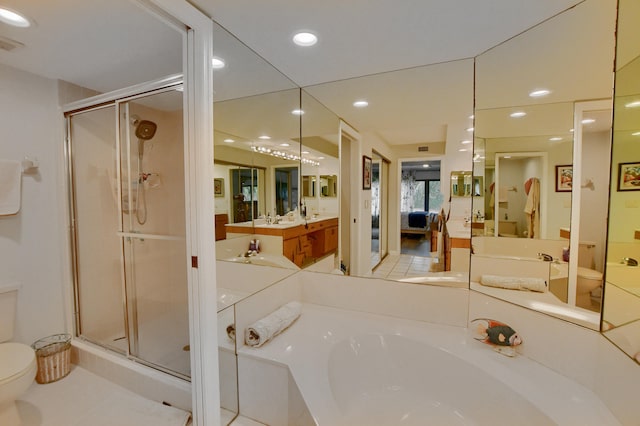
column 255, row 176
column 411, row 138
column 621, row 313
column 540, row 147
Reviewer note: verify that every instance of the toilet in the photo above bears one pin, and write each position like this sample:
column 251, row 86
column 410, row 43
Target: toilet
column 18, row 366
column 588, row 278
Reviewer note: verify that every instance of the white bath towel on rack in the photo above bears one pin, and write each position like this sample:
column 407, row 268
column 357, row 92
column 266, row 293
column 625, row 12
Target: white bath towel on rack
column 10, row 183
column 273, row 324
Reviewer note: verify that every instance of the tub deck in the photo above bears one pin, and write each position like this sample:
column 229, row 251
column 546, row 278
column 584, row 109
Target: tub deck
column 305, row 348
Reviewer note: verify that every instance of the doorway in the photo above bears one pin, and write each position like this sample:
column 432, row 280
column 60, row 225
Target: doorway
column 379, row 208
column 421, row 201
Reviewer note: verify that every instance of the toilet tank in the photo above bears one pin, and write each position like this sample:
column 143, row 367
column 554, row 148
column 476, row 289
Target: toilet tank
column 586, row 254
column 8, row 305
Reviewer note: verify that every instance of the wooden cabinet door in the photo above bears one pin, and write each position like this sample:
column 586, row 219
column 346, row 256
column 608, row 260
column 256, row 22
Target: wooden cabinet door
column 330, row 239
column 290, row 248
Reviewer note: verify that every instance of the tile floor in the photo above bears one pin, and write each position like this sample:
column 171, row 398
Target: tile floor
column 83, row 398
column 395, row 267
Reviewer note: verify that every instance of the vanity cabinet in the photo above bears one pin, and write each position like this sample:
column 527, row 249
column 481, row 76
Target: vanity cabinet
column 303, row 243
column 220, row 221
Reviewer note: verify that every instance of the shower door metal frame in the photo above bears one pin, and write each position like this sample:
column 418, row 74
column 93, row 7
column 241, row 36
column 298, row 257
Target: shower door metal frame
column 113, row 99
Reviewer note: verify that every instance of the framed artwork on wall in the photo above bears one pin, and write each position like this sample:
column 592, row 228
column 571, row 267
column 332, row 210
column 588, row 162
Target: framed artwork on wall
column 366, row 172
column 218, row 187
column 564, row 178
column 629, row 176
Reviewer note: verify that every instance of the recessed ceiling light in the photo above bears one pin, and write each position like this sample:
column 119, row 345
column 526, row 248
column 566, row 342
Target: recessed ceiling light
column 465, row 142
column 14, row 18
column 588, row 121
column 555, row 139
column 470, row 129
column 229, row 141
column 305, row 39
column 539, row 93
column 463, row 150
column 426, row 166
column 284, row 144
column 360, row 104
column 507, row 156
column 304, row 152
column 217, row 63
column 634, row 104
column 518, row 114
column 320, row 158
column 264, row 137
column 635, row 134
column 472, row 116
column 297, row 112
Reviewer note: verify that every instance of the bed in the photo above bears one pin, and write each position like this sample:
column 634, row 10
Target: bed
column 418, row 222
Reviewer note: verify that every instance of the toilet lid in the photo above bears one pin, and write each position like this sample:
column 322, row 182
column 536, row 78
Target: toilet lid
column 16, row 358
column 589, row 273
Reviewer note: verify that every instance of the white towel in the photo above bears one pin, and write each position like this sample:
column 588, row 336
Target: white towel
column 273, row 324
column 10, row 181
column 514, row 283
column 502, row 194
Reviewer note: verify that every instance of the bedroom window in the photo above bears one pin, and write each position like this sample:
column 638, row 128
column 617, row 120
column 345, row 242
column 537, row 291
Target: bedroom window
column 422, row 195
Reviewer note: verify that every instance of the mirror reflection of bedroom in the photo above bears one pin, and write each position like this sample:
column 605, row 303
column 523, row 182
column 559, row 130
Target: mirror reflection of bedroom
column 421, row 201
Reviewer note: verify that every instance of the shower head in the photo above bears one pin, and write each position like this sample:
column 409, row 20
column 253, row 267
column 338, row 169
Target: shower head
column 145, row 129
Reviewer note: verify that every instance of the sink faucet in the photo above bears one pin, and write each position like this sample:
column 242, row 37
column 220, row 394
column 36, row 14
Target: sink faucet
column 276, row 220
column 630, row 261
column 546, row 257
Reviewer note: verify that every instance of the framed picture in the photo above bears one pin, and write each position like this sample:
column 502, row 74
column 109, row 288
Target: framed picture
column 629, row 176
column 564, row 178
column 366, row 172
column 218, row 187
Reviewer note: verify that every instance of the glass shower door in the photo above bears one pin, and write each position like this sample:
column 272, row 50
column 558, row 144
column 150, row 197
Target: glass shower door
column 96, row 221
column 154, row 228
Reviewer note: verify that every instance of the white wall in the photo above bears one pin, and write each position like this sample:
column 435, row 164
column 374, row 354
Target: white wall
column 33, row 243
column 593, row 208
column 624, row 218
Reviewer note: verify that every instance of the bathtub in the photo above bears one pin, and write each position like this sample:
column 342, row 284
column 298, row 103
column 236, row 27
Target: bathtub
column 355, row 368
column 386, row 379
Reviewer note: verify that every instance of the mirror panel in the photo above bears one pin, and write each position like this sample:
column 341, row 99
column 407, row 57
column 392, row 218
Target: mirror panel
column 461, row 183
column 524, row 152
column 405, row 122
column 251, row 100
column 621, row 313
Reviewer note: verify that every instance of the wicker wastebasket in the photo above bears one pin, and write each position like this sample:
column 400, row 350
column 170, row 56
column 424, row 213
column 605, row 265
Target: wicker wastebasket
column 53, row 354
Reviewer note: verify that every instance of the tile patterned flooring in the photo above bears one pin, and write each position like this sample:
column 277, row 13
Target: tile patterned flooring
column 395, row 267
column 82, row 395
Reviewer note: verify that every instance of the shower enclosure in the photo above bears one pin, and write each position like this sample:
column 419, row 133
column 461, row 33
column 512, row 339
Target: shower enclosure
column 127, row 184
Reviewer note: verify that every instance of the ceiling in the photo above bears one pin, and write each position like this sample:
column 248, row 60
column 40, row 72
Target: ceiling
column 109, row 45
column 361, row 37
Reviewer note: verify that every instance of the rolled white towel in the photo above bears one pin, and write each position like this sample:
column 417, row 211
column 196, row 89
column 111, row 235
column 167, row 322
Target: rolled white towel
column 273, row 324
column 515, row 283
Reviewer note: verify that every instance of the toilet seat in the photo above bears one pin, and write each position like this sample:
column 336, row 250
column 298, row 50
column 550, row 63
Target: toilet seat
column 16, row 360
column 590, row 274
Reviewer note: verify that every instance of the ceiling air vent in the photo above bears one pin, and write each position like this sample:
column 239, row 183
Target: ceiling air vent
column 423, row 148
column 8, row 44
